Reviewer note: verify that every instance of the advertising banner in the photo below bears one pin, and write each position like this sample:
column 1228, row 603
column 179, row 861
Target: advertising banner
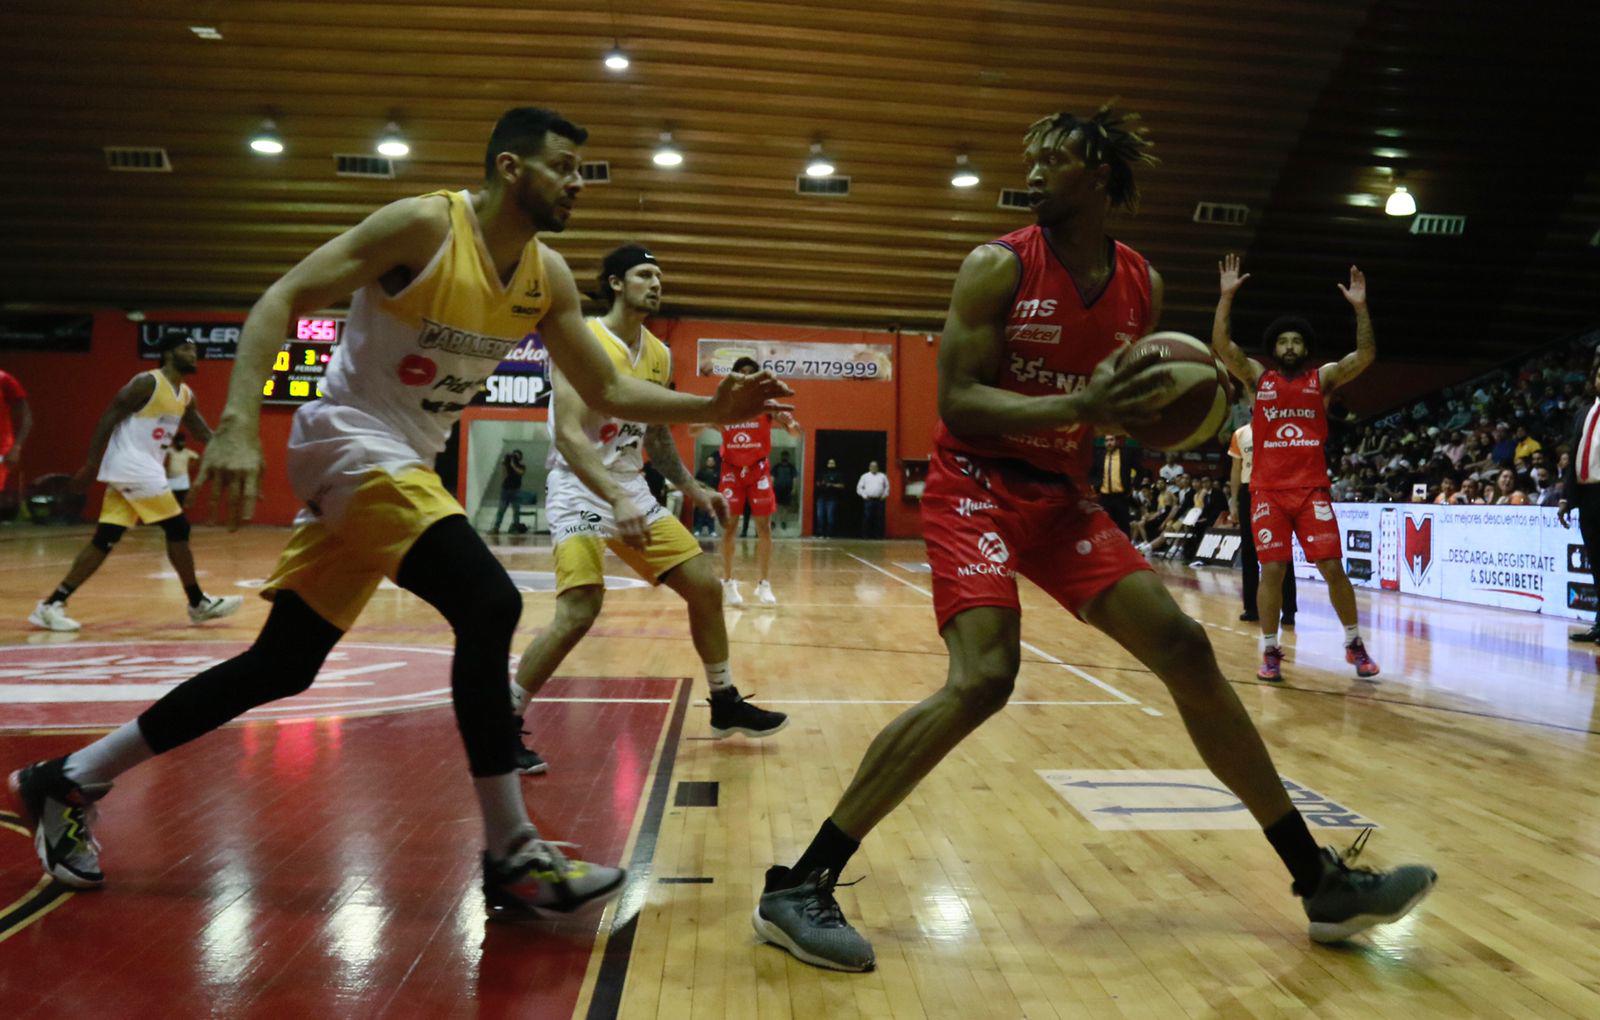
column 795, row 359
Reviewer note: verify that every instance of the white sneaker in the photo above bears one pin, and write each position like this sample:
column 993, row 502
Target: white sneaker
column 730, row 593
column 53, row 616
column 214, row 607
column 764, row 593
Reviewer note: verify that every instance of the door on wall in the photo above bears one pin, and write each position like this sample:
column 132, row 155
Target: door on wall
column 852, row 449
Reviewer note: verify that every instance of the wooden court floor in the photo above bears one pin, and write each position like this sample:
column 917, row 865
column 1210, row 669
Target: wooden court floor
column 1069, row 860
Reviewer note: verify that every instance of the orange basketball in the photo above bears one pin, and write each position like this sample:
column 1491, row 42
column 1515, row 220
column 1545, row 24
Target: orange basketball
column 1195, row 404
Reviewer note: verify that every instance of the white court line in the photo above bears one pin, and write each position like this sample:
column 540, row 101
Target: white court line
column 860, row 701
column 1122, row 698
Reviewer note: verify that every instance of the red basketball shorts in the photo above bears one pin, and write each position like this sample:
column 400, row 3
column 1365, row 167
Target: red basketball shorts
column 986, row 521
column 1279, row 514
column 750, row 483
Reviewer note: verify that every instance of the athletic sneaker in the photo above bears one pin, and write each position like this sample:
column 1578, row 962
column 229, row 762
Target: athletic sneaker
column 764, row 593
column 730, row 593
column 806, row 920
column 1355, row 653
column 528, row 761
column 732, row 713
column 1271, row 665
column 535, row 875
column 60, row 813
column 1350, row 900
column 53, row 616
column 215, row 607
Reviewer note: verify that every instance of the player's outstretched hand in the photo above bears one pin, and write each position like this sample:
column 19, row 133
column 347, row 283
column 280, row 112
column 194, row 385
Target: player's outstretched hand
column 232, row 460
column 631, row 527
column 1228, row 270
column 1356, row 293
column 1117, row 398
column 742, row 397
column 712, row 502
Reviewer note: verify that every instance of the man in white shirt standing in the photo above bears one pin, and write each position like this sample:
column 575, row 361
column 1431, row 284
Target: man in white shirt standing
column 873, row 488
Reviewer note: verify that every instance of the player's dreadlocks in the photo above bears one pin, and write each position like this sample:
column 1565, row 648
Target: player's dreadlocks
column 1110, row 138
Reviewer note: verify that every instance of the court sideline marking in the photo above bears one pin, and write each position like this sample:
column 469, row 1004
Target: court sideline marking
column 1122, row 697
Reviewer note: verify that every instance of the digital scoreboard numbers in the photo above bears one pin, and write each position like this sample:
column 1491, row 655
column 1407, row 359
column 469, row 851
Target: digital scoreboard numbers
column 301, row 363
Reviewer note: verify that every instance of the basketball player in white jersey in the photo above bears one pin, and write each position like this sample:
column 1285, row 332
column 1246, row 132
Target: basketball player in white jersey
column 445, row 285
column 597, row 498
column 128, row 453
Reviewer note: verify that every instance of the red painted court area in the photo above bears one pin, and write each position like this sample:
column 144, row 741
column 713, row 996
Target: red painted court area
column 327, row 867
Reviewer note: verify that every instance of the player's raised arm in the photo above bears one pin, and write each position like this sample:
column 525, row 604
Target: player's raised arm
column 1337, row 373
column 1245, row 368
column 971, row 355
column 573, row 348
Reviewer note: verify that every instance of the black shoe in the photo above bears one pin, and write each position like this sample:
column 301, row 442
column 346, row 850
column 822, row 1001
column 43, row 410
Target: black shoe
column 731, row 713
column 1287, row 621
column 1249, row 618
column 60, row 813
column 528, row 761
column 1590, row 635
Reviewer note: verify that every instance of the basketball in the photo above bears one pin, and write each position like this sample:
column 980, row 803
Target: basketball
column 1196, row 404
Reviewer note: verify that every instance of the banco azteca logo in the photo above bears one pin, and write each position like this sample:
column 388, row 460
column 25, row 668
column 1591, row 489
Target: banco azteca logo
column 1289, row 430
column 993, row 548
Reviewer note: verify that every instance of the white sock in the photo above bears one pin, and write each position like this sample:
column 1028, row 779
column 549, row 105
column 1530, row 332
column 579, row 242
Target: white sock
column 109, row 757
column 1270, row 641
column 719, row 675
column 1352, row 633
column 519, row 698
column 505, row 816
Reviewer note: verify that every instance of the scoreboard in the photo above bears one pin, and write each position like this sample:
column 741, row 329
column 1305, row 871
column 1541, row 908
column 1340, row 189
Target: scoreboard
column 301, row 363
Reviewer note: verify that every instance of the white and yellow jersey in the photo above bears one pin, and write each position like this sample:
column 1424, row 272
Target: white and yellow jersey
column 410, row 363
column 620, row 443
column 414, row 360
column 137, row 450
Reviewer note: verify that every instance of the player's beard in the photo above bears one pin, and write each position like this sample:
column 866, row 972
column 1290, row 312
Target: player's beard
column 541, row 214
column 1292, row 366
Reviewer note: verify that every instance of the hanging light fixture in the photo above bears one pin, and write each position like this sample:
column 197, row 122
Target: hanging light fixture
column 615, row 58
column 392, row 143
column 266, row 140
column 819, row 165
column 1401, row 203
column 965, row 176
column 666, row 153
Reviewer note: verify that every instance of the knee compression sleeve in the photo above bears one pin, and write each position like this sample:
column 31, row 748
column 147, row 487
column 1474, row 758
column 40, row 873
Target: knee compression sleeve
column 176, row 528
column 106, row 536
column 283, row 662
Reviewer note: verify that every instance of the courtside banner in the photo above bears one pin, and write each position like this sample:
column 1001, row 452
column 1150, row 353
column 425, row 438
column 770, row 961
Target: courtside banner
column 1512, row 557
column 799, row 359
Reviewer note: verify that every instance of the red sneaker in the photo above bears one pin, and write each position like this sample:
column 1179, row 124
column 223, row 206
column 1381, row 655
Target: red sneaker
column 1271, row 665
column 1355, row 653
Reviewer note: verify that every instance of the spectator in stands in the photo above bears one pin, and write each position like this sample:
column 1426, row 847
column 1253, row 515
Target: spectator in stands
column 1504, row 450
column 1526, row 444
column 1171, row 470
column 1208, row 496
column 1447, row 491
column 1506, row 492
column 1149, row 525
column 1545, row 491
column 1472, row 492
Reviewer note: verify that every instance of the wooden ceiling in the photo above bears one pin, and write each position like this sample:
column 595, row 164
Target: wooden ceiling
column 1290, row 107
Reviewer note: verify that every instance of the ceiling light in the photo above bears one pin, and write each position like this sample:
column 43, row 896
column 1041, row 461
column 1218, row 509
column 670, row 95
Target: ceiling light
column 266, row 140
column 393, row 144
column 615, row 59
column 1400, row 203
column 819, row 165
column 206, row 32
column 965, row 176
column 667, row 154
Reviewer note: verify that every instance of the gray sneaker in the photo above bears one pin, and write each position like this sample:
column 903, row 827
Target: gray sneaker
column 1350, row 900
column 59, row 812
column 806, row 920
column 536, row 875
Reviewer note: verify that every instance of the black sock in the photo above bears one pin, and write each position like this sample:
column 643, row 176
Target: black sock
column 830, row 850
column 196, row 596
column 62, row 593
column 1300, row 853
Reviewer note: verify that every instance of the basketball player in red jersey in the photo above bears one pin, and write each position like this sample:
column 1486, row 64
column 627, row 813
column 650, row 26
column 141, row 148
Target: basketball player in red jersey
column 1289, row 484
column 747, row 478
column 1025, row 378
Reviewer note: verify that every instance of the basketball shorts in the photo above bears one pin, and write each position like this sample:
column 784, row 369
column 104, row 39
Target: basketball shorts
column 129, row 503
column 1277, row 515
column 987, row 521
column 335, row 564
column 583, row 527
column 750, row 483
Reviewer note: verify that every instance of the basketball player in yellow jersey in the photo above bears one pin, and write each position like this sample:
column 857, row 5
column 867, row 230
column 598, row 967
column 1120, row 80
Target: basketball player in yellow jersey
column 597, row 497
column 444, row 286
column 128, row 453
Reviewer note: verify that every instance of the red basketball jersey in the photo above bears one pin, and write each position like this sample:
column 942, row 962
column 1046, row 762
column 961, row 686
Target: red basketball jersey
column 1053, row 341
column 747, row 442
column 1290, row 428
